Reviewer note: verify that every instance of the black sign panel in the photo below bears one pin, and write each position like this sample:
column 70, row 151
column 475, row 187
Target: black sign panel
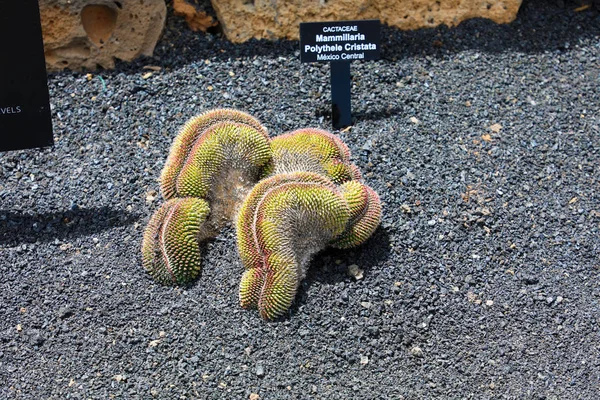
column 25, row 120
column 339, row 41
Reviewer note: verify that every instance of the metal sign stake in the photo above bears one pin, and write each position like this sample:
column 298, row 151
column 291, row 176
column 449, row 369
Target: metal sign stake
column 340, row 94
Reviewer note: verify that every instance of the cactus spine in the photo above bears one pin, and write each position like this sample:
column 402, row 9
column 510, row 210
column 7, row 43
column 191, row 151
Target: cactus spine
column 365, row 210
column 205, row 144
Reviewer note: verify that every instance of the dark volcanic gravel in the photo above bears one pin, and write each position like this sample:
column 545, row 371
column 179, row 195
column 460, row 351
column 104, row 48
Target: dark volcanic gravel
column 483, row 280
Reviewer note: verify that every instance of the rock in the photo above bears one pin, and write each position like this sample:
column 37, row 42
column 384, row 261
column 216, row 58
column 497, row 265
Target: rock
column 196, row 19
column 243, row 20
column 530, row 279
column 355, row 272
column 344, row 297
column 260, row 370
column 65, row 312
column 36, row 338
column 416, row 351
column 85, row 34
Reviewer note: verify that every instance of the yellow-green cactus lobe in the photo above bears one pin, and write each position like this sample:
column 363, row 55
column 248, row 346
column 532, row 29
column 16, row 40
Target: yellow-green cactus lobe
column 223, row 147
column 170, row 247
column 189, row 134
column 356, row 174
column 291, row 220
column 245, row 221
column 365, row 210
column 313, row 150
column 247, row 244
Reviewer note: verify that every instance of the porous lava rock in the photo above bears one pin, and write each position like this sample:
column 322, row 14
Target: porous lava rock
column 86, row 34
column 265, row 19
column 197, row 19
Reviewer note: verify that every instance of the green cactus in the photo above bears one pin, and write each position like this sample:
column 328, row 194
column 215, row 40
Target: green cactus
column 283, row 222
column 170, row 247
column 210, row 143
column 214, row 160
column 310, row 197
column 365, row 211
column 313, row 150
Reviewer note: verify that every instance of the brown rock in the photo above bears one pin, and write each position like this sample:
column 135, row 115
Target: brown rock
column 85, row 34
column 197, row 20
column 265, row 19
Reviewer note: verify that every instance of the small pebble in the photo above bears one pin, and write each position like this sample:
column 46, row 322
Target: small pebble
column 416, row 351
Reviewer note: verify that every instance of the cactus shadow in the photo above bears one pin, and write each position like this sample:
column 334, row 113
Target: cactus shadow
column 331, row 265
column 18, row 228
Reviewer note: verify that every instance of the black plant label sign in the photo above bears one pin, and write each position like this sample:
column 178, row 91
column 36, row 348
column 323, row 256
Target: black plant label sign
column 340, row 41
column 25, row 120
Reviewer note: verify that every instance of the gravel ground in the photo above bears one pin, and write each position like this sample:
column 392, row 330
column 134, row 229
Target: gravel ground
column 482, row 282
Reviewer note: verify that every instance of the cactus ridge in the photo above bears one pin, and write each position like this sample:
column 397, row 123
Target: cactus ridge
column 223, row 166
column 170, row 247
column 314, row 150
column 245, row 221
column 249, row 248
column 293, row 217
column 189, row 135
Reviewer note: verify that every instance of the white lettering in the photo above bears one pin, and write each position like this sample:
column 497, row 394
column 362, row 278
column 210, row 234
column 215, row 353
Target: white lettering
column 10, row 110
column 345, row 28
column 326, row 48
column 340, row 38
column 359, row 46
column 353, row 56
column 328, row 57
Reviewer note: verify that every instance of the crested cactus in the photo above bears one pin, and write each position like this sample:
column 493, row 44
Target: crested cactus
column 290, row 197
column 313, row 150
column 283, row 222
column 170, row 248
